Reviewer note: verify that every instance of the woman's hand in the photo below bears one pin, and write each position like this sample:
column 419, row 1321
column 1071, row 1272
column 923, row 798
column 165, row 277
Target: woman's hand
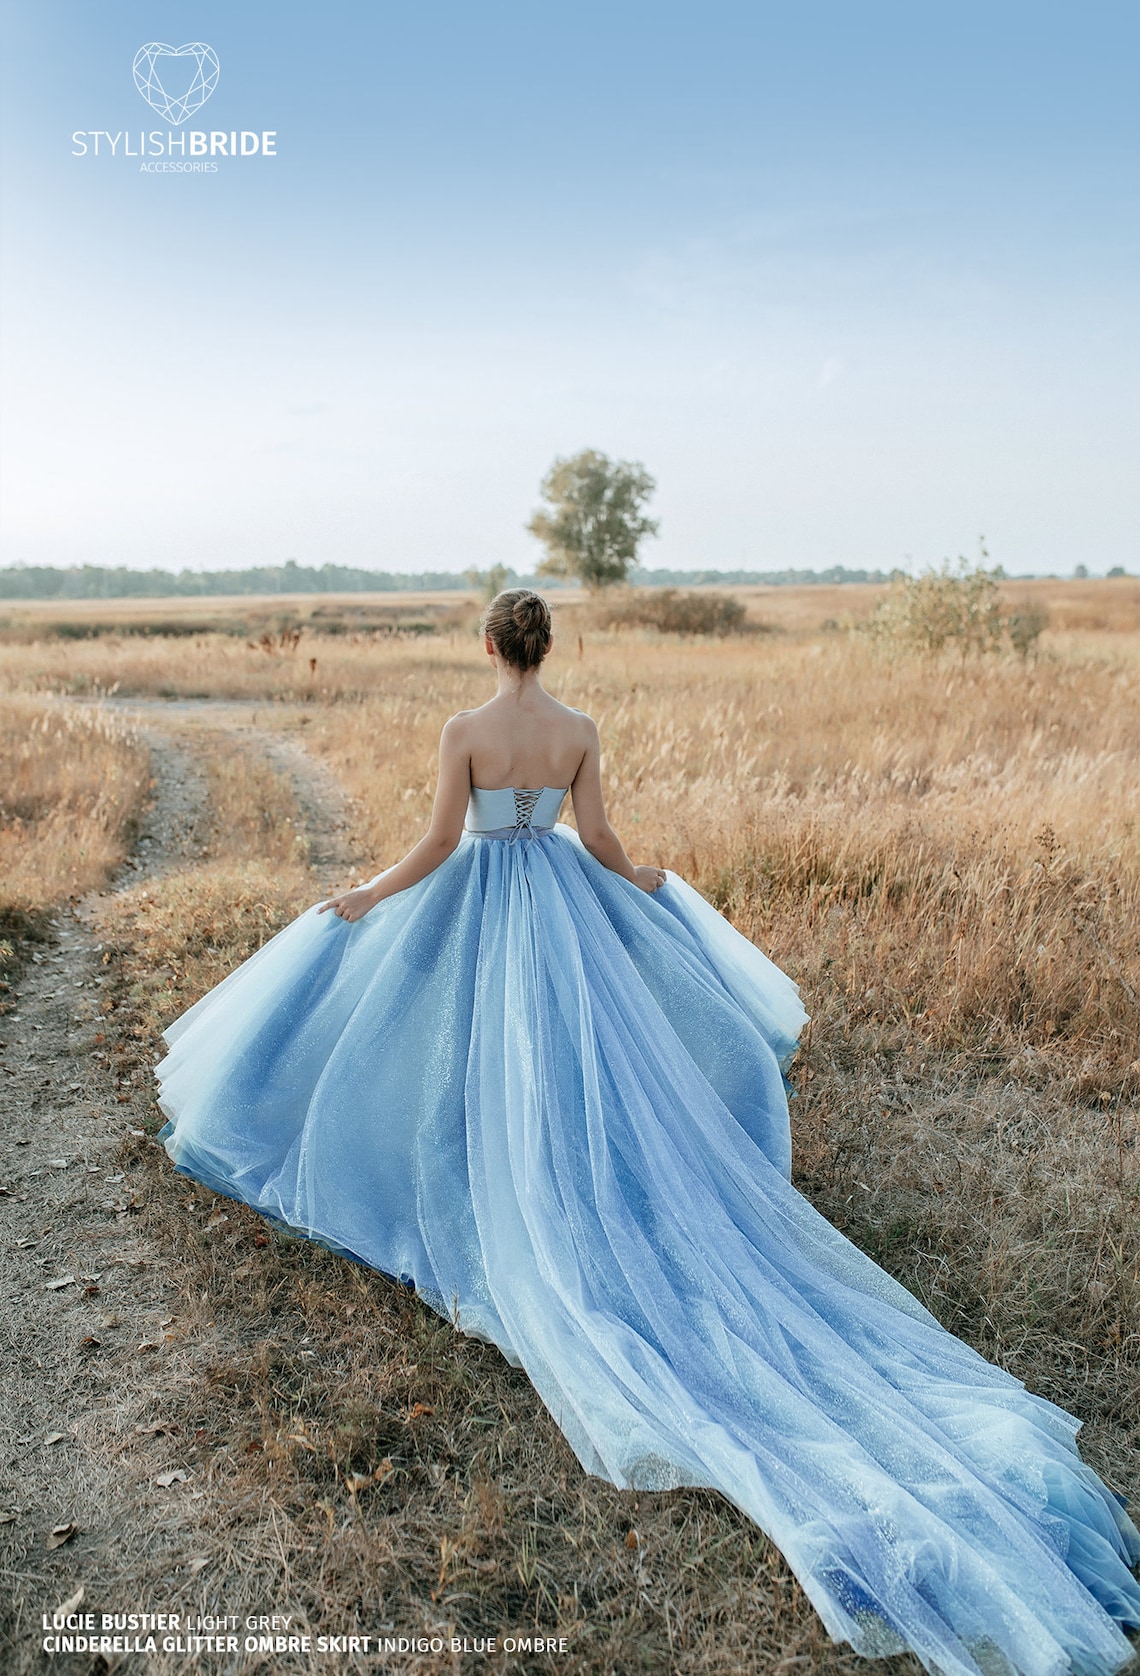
column 649, row 878
column 354, row 904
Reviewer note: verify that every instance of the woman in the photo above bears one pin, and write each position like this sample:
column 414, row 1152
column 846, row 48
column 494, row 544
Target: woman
column 545, row 1086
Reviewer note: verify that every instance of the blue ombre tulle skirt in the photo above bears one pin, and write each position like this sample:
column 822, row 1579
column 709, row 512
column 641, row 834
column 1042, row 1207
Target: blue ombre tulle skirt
column 555, row 1104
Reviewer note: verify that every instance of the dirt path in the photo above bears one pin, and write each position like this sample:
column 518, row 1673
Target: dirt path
column 89, row 1300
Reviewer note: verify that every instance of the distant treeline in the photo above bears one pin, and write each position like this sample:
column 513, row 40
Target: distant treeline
column 118, row 582
column 768, row 578
column 92, row 581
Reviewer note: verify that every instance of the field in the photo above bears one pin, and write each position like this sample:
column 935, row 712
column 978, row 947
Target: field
column 944, row 853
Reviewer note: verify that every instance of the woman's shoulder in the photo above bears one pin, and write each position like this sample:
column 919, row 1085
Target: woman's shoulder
column 579, row 716
column 461, row 719
column 459, row 732
column 581, row 728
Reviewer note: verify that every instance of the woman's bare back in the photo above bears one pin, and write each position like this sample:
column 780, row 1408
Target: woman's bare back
column 525, row 739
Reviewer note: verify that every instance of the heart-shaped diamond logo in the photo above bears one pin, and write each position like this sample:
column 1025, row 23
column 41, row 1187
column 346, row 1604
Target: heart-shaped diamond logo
column 176, row 81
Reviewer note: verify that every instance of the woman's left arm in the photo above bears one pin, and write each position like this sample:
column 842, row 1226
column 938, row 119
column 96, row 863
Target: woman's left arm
column 441, row 838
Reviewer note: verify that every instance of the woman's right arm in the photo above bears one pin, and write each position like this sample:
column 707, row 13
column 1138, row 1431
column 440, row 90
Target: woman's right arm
column 594, row 829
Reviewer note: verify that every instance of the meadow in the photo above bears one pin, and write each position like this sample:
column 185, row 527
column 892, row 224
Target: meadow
column 945, row 854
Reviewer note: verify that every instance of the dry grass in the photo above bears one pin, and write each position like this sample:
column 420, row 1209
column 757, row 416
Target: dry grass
column 1103, row 606
column 948, row 860
column 335, row 648
column 237, row 615
column 72, row 782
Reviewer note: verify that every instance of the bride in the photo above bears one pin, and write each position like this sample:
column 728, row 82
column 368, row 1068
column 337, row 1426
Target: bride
column 544, row 1087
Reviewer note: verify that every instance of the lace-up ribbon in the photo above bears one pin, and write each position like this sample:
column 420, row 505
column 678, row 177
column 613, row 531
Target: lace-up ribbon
column 525, row 804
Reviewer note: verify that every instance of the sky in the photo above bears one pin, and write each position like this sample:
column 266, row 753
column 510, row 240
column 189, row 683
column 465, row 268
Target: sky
column 857, row 284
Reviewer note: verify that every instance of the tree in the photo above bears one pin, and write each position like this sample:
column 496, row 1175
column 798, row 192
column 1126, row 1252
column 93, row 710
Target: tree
column 487, row 583
column 594, row 518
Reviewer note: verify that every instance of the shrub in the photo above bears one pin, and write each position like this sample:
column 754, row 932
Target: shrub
column 1024, row 627
column 954, row 608
column 673, row 612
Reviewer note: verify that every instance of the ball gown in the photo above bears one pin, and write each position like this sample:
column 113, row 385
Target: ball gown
column 555, row 1104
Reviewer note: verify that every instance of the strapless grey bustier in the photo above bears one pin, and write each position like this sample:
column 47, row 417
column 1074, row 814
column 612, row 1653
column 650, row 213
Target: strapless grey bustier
column 508, row 810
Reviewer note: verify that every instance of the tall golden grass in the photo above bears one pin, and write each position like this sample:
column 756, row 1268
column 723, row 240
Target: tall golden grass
column 72, row 780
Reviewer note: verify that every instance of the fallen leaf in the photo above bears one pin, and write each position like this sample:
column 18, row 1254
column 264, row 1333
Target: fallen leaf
column 59, row 1163
column 420, row 1408
column 148, row 1344
column 56, row 1437
column 158, row 1428
column 61, row 1534
column 90, row 1342
column 632, row 1540
column 483, row 1565
column 70, row 1604
column 166, row 1479
column 198, row 1564
column 8, row 1518
column 57, row 1285
column 91, row 1291
column 357, row 1481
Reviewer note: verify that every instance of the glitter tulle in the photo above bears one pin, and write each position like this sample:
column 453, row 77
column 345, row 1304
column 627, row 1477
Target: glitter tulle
column 555, row 1104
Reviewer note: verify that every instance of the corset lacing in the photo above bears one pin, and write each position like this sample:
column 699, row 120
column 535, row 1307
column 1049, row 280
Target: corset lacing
column 525, row 803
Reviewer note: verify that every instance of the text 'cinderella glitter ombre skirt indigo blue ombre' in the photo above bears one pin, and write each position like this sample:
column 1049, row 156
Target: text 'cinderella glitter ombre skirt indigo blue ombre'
column 555, row 1103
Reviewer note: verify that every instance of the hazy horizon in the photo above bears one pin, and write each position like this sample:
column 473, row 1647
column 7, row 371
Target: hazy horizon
column 856, row 288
